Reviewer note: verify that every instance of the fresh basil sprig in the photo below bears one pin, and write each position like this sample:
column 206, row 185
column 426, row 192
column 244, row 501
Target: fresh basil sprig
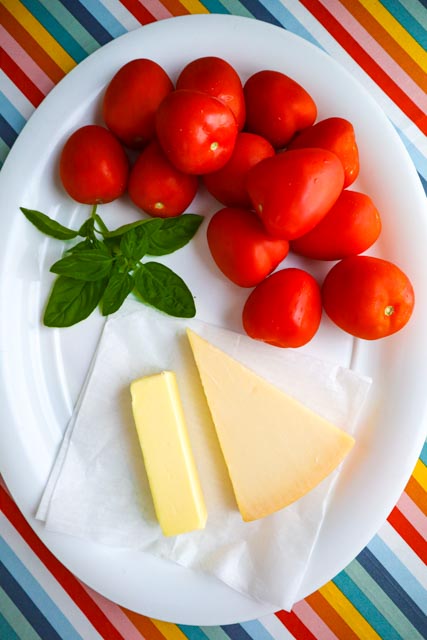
column 105, row 267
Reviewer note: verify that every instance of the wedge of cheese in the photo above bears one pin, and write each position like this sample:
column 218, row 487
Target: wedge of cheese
column 276, row 449
column 169, row 463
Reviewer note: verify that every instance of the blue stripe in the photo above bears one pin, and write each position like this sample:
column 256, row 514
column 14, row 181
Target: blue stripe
column 236, row 632
column 192, row 633
column 257, row 630
column 399, row 572
column 260, row 12
column 288, row 20
column 104, row 17
column 26, row 606
column 419, row 160
column 56, row 29
column 87, row 20
column 423, row 454
column 407, row 21
column 365, row 607
column 7, row 132
column 394, row 590
column 48, row 609
column 11, row 113
column 6, row 630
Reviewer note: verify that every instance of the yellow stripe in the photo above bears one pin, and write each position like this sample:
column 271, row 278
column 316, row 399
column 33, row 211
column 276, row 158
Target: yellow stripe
column 169, row 630
column 40, row 35
column 194, row 6
column 348, row 612
column 398, row 33
column 420, row 474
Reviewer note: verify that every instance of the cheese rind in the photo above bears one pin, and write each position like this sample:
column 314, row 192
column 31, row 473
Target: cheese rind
column 169, row 462
column 276, row 449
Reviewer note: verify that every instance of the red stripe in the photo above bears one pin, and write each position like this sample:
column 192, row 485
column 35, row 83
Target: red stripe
column 295, row 626
column 408, row 532
column 20, row 79
column 138, row 11
column 68, row 581
column 367, row 63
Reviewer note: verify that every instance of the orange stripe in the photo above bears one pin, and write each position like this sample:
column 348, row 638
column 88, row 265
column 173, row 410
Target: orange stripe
column 175, row 7
column 387, row 42
column 374, row 70
column 30, row 45
column 144, row 625
column 417, row 494
column 331, row 618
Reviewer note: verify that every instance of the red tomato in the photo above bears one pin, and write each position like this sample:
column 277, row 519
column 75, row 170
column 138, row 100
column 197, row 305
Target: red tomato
column 368, row 297
column 284, row 310
column 336, row 135
column 294, row 190
column 277, row 106
column 350, row 227
column 241, row 248
column 157, row 187
column 197, row 132
column 217, row 78
column 93, row 166
column 228, row 185
column 131, row 101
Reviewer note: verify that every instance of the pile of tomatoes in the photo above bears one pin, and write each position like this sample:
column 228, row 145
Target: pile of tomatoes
column 282, row 179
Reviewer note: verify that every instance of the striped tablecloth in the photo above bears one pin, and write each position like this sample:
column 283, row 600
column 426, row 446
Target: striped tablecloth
column 382, row 593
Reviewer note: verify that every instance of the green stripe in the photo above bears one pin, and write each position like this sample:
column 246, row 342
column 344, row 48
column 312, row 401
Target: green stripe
column 382, row 602
column 416, row 10
column 6, row 630
column 215, row 633
column 236, row 8
column 73, row 26
column 4, row 151
column 15, row 619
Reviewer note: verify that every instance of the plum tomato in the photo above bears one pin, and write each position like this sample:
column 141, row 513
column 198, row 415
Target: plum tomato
column 218, row 78
column 93, row 165
column 285, row 309
column 157, row 187
column 228, row 185
column 241, row 248
column 277, row 106
column 368, row 297
column 196, row 131
column 293, row 190
column 336, row 135
column 350, row 227
column 131, row 101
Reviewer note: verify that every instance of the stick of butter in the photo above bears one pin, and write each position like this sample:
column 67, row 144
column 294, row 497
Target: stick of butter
column 169, row 462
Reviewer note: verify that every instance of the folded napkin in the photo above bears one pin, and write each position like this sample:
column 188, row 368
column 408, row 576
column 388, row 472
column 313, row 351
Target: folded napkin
column 98, row 488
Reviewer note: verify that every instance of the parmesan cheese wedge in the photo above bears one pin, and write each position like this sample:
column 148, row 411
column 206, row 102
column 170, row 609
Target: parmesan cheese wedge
column 276, row 449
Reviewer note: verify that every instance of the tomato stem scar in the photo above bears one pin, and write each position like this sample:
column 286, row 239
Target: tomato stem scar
column 159, row 205
column 389, row 310
column 214, row 146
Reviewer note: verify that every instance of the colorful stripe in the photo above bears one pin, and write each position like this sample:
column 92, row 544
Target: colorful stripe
column 383, row 592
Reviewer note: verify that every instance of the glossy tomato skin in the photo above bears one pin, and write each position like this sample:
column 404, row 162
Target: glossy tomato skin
column 336, row 135
column 196, row 131
column 284, row 310
column 218, row 78
column 228, row 185
column 241, row 248
column 277, row 106
column 131, row 101
column 292, row 191
column 368, row 297
column 93, row 166
column 157, row 187
column 350, row 227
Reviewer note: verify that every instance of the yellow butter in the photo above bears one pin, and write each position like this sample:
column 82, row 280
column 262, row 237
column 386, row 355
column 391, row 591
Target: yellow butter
column 276, row 449
column 169, row 463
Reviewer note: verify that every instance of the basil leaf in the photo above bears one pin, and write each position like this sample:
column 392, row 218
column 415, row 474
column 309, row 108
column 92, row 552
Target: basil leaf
column 133, row 243
column 101, row 224
column 72, row 300
column 87, row 230
column 118, row 288
column 172, row 233
column 163, row 289
column 88, row 265
column 115, row 233
column 48, row 226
